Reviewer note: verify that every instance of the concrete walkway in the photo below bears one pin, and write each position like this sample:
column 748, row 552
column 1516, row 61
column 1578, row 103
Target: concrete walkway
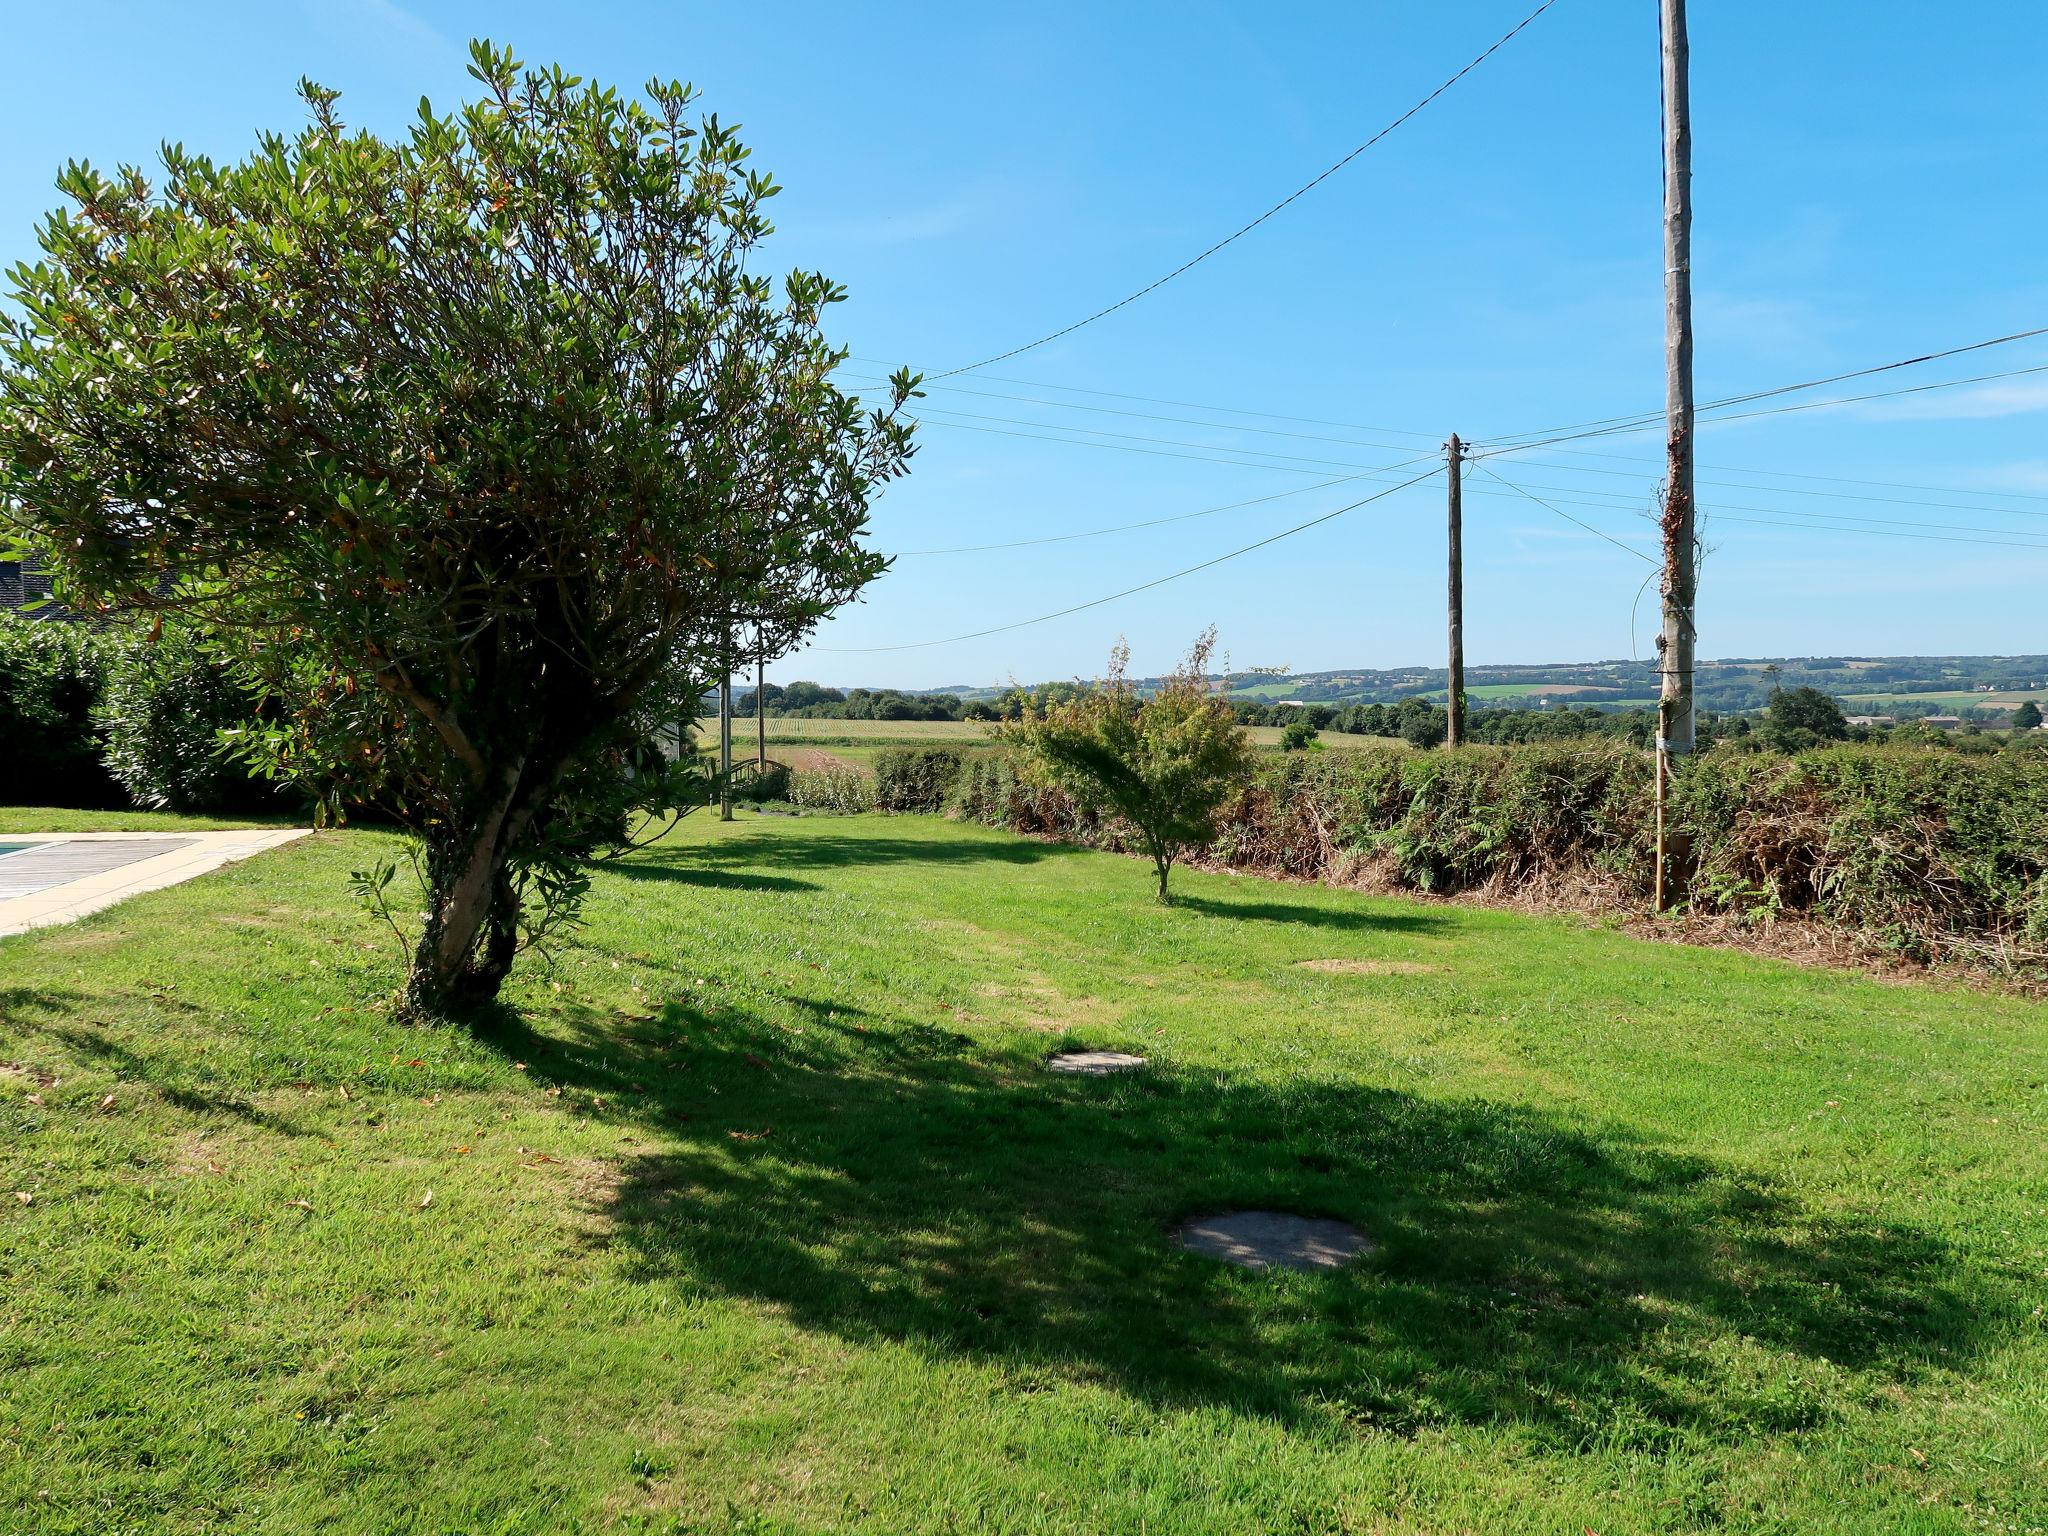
column 69, row 874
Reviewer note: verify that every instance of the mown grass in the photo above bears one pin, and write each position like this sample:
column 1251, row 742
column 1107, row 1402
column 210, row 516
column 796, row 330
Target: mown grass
column 756, row 1213
column 38, row 819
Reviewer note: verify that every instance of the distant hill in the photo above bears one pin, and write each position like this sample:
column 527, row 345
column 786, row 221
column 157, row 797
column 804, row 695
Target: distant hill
column 1901, row 685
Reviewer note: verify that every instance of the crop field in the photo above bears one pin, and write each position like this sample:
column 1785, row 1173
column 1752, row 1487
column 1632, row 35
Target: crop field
column 857, row 741
column 890, row 732
column 755, row 1211
column 1955, row 697
column 1598, row 693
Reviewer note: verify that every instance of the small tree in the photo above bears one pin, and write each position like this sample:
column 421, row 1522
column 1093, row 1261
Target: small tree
column 1796, row 710
column 1162, row 765
column 2027, row 717
column 487, row 438
column 1297, row 736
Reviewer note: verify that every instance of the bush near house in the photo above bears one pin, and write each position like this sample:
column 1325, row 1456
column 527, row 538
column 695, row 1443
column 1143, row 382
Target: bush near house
column 51, row 676
column 97, row 717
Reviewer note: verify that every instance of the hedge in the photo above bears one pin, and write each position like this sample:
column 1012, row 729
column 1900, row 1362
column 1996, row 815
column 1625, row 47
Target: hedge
column 917, row 779
column 97, row 717
column 1920, row 852
column 51, row 676
column 844, row 790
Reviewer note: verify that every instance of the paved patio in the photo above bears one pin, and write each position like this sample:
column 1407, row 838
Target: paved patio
column 66, row 875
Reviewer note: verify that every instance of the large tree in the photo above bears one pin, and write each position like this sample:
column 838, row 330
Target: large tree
column 483, row 437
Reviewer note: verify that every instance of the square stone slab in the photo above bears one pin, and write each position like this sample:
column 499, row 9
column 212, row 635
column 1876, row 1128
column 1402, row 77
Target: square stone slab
column 1274, row 1240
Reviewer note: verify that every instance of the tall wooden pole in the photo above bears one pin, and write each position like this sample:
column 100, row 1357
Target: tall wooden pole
column 760, row 710
column 1680, row 583
column 1455, row 698
column 725, row 729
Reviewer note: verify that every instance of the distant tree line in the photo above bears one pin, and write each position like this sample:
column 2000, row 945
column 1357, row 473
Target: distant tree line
column 1794, row 719
column 814, row 701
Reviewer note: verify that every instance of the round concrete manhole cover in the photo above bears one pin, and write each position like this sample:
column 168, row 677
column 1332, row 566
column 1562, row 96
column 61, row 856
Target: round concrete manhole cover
column 1094, row 1063
column 1274, row 1240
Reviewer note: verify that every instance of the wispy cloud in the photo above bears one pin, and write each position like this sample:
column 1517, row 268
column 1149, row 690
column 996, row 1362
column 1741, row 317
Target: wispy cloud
column 977, row 209
column 2022, row 475
column 1766, row 326
column 1978, row 402
column 384, row 24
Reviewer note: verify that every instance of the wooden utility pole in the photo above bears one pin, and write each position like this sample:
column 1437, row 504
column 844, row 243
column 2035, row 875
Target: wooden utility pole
column 1681, row 583
column 725, row 729
column 1455, row 698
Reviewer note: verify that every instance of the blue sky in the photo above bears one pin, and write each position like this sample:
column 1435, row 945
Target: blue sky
column 1869, row 185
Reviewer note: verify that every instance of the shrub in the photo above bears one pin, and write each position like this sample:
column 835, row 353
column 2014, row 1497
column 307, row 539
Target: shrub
column 1297, row 736
column 769, row 783
column 1916, row 851
column 51, row 674
column 841, row 790
column 165, row 703
column 917, row 779
column 1922, row 851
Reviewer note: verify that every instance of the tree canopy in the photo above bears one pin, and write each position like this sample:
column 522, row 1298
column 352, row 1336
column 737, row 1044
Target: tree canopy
column 1163, row 764
column 1806, row 709
column 486, row 438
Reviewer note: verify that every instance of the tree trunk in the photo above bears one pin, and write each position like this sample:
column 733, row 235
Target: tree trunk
column 1162, row 860
column 472, row 929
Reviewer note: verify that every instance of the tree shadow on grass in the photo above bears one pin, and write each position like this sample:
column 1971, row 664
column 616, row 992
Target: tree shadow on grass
column 957, row 844
column 20, row 1007
column 685, row 869
column 883, row 1180
column 52, row 1015
column 1351, row 919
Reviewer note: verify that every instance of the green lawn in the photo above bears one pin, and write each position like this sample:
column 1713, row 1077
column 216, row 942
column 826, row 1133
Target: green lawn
column 755, row 1213
column 38, row 819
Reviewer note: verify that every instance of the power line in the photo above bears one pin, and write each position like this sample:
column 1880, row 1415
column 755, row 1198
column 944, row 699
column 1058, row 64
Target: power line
column 1628, row 503
column 1886, row 394
column 1159, row 453
column 1795, row 490
column 1508, row 443
column 1521, row 489
column 1782, row 474
column 1610, row 538
column 1182, row 517
column 1880, row 533
column 1833, row 523
column 1186, row 421
column 1647, row 423
column 1246, row 229
column 1045, row 618
column 1187, row 405
column 1511, row 443
column 1546, row 463
column 1139, row 437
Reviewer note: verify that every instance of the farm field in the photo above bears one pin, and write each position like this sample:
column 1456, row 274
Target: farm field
column 857, row 741
column 2005, row 699
column 756, row 1212
column 1590, row 693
